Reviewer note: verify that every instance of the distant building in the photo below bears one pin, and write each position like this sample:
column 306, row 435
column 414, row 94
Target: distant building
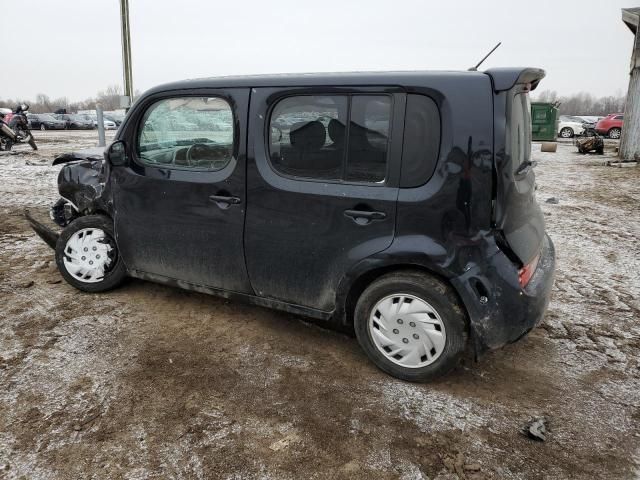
column 630, row 143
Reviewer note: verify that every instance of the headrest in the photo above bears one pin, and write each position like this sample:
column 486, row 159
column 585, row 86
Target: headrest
column 336, row 131
column 308, row 135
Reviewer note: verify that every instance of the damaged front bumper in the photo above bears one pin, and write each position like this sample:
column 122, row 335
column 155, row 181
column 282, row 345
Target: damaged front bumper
column 46, row 233
column 82, row 186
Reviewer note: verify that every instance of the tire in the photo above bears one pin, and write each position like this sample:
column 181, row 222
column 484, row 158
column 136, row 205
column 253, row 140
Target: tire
column 97, row 233
column 43, row 126
column 443, row 329
column 615, row 133
column 566, row 132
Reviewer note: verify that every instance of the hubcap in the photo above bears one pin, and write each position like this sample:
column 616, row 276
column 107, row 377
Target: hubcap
column 565, row 133
column 407, row 330
column 88, row 255
column 614, row 134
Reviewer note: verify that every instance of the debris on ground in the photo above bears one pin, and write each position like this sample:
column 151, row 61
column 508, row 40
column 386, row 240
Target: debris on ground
column 552, row 200
column 284, row 442
column 536, row 429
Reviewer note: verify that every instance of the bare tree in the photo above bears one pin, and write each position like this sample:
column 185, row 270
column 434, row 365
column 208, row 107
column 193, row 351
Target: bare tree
column 583, row 103
column 110, row 98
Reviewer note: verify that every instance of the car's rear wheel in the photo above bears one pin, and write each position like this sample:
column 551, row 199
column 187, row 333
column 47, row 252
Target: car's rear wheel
column 42, row 126
column 87, row 255
column 411, row 325
column 615, row 133
column 566, row 132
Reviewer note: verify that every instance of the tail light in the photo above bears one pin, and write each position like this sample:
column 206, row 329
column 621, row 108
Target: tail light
column 526, row 272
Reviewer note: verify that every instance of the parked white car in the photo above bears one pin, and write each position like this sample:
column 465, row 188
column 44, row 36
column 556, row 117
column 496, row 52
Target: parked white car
column 570, row 126
column 108, row 124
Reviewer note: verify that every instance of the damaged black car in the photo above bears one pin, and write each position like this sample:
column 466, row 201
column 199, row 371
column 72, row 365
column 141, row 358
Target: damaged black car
column 397, row 205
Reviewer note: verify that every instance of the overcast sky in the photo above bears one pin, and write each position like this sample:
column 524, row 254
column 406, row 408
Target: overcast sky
column 72, row 47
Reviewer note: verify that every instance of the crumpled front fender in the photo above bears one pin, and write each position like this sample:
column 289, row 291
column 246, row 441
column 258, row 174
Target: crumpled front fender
column 83, row 181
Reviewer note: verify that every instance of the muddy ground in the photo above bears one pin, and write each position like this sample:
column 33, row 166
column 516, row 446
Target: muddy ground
column 153, row 382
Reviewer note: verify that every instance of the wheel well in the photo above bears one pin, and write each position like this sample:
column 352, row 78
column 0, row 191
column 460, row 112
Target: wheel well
column 364, row 280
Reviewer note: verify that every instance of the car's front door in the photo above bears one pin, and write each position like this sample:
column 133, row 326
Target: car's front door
column 180, row 201
column 322, row 177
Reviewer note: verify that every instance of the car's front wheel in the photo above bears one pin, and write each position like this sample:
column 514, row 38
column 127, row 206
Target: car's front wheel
column 566, row 132
column 87, row 255
column 42, row 126
column 615, row 133
column 411, row 325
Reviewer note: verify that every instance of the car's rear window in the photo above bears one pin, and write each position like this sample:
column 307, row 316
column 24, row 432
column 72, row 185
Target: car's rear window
column 520, row 130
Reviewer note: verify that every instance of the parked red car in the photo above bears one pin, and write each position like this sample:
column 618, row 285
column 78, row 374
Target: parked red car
column 611, row 125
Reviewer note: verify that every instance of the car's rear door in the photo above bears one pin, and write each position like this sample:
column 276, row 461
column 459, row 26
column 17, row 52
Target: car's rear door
column 517, row 214
column 322, row 189
column 180, row 202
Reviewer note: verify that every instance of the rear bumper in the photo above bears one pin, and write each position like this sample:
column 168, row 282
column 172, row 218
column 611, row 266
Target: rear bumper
column 501, row 312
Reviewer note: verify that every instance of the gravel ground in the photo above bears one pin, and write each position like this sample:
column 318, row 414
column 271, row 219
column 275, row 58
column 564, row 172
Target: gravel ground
column 153, row 382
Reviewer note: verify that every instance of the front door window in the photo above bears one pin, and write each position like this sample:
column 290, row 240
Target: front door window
column 187, row 132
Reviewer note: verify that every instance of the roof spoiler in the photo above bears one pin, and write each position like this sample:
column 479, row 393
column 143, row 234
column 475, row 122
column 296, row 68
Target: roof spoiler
column 506, row 78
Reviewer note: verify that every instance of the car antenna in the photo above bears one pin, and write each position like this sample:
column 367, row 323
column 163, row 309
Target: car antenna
column 475, row 69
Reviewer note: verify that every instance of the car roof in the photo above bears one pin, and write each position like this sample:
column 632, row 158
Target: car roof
column 503, row 79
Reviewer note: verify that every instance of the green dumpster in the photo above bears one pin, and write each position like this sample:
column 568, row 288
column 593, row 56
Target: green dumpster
column 544, row 122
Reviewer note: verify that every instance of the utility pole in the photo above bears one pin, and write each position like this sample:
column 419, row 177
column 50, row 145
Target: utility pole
column 126, row 53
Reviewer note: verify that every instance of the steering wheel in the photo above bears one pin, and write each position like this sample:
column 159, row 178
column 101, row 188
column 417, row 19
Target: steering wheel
column 196, row 152
column 188, row 159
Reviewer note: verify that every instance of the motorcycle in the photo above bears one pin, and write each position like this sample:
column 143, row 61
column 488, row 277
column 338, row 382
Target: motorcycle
column 17, row 130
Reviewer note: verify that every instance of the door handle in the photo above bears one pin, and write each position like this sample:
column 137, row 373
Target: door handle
column 364, row 217
column 224, row 201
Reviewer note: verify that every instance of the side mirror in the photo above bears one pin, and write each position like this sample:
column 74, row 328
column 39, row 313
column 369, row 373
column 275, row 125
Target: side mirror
column 116, row 154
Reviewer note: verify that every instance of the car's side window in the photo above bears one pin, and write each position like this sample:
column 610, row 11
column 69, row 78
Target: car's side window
column 421, row 142
column 187, row 133
column 331, row 137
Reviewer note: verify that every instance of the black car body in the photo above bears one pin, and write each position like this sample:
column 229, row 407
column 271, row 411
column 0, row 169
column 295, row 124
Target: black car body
column 75, row 122
column 45, row 121
column 435, row 188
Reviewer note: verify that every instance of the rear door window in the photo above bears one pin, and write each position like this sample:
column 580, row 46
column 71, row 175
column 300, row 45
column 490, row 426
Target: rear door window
column 331, row 137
